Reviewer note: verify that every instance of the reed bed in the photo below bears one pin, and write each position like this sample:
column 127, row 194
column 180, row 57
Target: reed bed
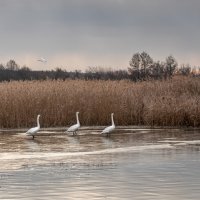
column 174, row 102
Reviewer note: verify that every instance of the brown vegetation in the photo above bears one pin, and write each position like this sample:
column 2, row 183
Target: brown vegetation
column 174, row 102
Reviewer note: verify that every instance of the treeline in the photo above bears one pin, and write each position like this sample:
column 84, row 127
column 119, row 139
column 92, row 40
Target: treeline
column 23, row 74
column 142, row 67
column 12, row 71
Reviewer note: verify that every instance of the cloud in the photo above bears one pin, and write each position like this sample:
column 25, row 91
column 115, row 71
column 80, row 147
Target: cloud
column 105, row 32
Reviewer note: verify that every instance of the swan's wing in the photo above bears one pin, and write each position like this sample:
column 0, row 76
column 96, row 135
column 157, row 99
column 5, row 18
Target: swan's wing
column 107, row 129
column 73, row 128
column 32, row 130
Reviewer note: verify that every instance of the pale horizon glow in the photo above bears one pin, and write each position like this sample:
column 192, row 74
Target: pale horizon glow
column 75, row 35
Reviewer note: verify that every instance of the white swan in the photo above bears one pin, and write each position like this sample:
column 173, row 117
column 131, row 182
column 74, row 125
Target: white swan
column 109, row 129
column 34, row 130
column 75, row 127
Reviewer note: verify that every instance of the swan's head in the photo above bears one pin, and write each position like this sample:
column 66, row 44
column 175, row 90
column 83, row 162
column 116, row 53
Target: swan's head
column 77, row 113
column 38, row 116
column 112, row 114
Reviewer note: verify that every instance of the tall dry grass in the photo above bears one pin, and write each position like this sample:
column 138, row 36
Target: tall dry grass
column 174, row 102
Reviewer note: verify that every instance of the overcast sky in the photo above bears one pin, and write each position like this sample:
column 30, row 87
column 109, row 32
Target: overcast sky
column 75, row 34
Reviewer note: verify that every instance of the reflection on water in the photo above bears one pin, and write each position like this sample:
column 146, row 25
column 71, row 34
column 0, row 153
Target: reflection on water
column 131, row 164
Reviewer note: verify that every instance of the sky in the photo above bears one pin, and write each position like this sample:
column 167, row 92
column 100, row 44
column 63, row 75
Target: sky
column 77, row 34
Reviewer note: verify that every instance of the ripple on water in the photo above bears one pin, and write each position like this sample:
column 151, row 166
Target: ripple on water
column 144, row 165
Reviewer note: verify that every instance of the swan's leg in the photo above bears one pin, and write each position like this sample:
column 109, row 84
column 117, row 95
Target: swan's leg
column 33, row 137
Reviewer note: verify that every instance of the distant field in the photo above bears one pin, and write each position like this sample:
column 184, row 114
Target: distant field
column 174, row 102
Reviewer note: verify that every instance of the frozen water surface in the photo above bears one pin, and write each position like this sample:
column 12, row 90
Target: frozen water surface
column 143, row 164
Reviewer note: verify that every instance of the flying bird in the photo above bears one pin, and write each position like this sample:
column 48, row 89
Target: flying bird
column 43, row 60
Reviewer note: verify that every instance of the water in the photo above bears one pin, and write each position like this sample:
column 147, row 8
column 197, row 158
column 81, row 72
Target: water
column 142, row 164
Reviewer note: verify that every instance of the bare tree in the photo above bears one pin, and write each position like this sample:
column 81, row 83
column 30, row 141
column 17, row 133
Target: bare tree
column 146, row 63
column 170, row 66
column 2, row 67
column 140, row 65
column 25, row 68
column 12, row 65
column 157, row 70
column 184, row 70
column 135, row 65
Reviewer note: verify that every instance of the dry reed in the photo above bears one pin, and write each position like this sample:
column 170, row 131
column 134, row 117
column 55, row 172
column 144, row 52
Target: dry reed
column 174, row 102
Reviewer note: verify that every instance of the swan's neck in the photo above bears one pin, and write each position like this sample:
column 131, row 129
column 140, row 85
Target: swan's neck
column 113, row 124
column 77, row 119
column 38, row 123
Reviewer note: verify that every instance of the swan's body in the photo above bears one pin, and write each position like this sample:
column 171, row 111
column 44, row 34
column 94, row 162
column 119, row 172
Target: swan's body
column 74, row 127
column 42, row 60
column 111, row 128
column 34, row 130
